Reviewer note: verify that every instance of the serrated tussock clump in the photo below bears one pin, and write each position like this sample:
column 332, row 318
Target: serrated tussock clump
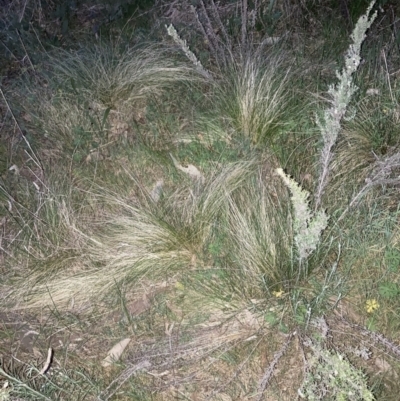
column 110, row 76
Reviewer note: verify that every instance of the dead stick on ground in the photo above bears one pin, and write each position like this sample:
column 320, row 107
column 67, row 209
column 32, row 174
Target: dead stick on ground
column 268, row 373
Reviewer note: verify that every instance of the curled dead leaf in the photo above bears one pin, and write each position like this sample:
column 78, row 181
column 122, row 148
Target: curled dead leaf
column 191, row 170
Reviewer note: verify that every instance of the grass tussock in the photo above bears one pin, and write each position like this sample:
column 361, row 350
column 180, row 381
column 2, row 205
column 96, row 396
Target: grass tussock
column 255, row 95
column 185, row 232
column 112, row 76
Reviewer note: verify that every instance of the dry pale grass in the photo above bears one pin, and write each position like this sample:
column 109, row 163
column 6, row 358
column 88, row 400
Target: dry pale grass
column 255, row 95
column 142, row 240
column 99, row 95
column 261, row 232
column 244, row 205
column 114, row 76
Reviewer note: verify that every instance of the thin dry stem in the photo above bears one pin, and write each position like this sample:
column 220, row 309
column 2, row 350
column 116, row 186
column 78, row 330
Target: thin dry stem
column 376, row 337
column 268, row 373
column 221, row 25
column 379, row 176
column 211, row 36
column 244, row 25
column 125, row 375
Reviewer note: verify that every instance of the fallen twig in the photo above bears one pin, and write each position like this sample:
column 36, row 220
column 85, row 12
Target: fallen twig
column 268, row 373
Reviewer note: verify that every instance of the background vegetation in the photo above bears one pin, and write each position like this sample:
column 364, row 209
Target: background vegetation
column 199, row 200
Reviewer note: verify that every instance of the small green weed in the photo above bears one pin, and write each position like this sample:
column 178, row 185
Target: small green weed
column 392, row 259
column 389, row 290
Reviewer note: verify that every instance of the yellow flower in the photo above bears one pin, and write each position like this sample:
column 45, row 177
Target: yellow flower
column 371, row 305
column 278, row 294
column 179, row 286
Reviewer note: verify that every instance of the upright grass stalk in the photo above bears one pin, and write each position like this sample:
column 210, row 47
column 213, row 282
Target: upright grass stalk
column 188, row 53
column 341, row 94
